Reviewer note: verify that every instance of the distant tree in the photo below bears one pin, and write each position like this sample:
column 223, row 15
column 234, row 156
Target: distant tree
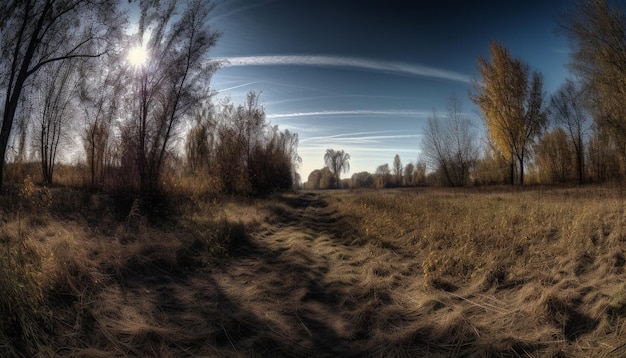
column 420, row 173
column 511, row 101
column 328, row 179
column 39, row 32
column 492, row 168
column 554, row 157
column 603, row 156
column 409, row 175
column 397, row 169
column 362, row 180
column 383, row 176
column 567, row 109
column 449, row 144
column 597, row 33
column 289, row 142
column 314, row 179
column 337, row 161
column 246, row 154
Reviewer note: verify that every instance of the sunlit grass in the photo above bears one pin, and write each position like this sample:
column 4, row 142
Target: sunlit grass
column 382, row 273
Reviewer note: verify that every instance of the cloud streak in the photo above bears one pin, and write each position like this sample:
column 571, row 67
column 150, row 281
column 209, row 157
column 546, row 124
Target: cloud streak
column 400, row 68
column 358, row 112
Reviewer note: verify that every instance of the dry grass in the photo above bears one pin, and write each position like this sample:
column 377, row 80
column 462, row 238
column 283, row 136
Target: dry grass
column 536, row 273
column 403, row 273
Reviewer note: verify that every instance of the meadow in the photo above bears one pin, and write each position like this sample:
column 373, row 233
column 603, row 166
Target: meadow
column 502, row 272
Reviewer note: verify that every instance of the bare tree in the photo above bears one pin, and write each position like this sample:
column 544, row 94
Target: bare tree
column 58, row 90
column 36, row 33
column 597, row 33
column 449, row 144
column 174, row 79
column 567, row 109
column 337, row 161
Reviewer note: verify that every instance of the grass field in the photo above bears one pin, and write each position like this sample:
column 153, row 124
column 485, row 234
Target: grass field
column 392, row 273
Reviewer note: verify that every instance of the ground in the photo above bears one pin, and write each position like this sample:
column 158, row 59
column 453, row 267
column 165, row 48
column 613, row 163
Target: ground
column 352, row 274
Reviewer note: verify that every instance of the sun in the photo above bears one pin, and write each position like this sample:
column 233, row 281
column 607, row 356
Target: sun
column 138, row 56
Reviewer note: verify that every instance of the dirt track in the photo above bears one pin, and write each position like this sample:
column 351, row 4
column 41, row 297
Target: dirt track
column 300, row 285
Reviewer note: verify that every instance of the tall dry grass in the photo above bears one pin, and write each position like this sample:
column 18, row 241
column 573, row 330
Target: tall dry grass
column 421, row 272
column 68, row 264
column 536, row 271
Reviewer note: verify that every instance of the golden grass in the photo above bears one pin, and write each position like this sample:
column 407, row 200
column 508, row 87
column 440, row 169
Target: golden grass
column 541, row 267
column 402, row 273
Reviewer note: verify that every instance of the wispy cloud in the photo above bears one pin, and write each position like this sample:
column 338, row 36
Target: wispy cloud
column 357, row 112
column 360, row 138
column 237, row 86
column 348, row 62
column 240, row 9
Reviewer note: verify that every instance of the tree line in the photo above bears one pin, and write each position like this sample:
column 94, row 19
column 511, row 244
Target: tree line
column 67, row 83
column 577, row 134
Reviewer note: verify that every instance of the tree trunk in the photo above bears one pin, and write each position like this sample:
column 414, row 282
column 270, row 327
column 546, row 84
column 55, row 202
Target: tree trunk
column 521, row 170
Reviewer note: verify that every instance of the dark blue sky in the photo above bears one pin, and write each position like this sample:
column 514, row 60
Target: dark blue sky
column 364, row 76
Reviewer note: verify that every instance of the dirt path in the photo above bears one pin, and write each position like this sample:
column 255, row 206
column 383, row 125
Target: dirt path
column 288, row 279
column 312, row 291
column 300, row 285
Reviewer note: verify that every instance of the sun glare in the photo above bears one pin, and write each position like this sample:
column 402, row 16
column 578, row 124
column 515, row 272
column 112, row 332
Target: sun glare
column 137, row 56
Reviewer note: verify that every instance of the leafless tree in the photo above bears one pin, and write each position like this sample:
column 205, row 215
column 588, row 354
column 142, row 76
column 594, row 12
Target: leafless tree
column 173, row 81
column 597, row 33
column 449, row 144
column 567, row 109
column 55, row 95
column 100, row 96
column 35, row 33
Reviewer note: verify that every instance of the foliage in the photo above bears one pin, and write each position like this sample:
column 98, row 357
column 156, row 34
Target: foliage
column 511, row 101
column 337, row 161
column 555, row 159
column 362, row 180
column 397, row 169
column 240, row 149
column 382, row 176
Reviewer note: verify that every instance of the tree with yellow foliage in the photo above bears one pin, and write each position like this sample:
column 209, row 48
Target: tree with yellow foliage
column 511, row 101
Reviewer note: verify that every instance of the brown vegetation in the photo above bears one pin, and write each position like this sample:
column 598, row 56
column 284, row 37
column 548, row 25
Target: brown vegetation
column 420, row 272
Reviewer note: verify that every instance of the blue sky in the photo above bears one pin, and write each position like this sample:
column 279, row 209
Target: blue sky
column 364, row 75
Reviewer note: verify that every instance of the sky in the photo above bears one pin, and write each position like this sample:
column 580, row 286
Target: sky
column 363, row 76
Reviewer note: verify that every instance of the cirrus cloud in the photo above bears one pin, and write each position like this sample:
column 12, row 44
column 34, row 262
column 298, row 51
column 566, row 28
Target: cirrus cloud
column 400, row 68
